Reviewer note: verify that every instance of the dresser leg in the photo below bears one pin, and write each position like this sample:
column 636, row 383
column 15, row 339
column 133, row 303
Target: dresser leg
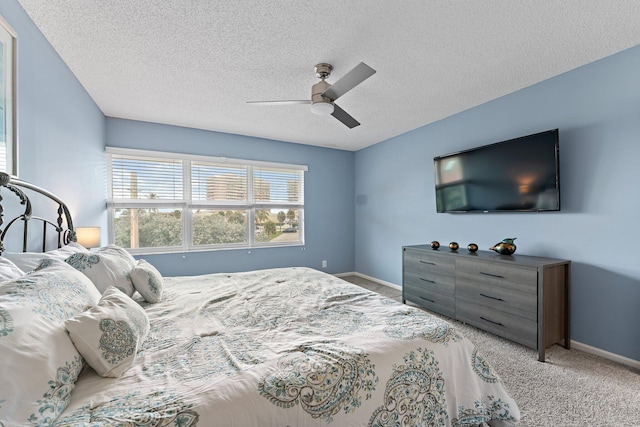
column 541, row 355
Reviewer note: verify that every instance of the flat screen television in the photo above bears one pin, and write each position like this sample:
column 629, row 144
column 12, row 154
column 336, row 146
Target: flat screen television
column 518, row 175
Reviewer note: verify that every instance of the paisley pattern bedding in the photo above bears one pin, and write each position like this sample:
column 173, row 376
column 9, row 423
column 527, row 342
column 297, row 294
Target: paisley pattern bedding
column 292, row 347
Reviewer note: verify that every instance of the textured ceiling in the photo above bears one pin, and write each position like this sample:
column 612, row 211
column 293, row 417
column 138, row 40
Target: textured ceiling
column 195, row 63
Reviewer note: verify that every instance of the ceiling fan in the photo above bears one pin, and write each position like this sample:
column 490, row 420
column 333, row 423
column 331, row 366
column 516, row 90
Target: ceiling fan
column 324, row 94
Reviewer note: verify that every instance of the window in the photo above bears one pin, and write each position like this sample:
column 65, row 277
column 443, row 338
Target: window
column 167, row 202
column 8, row 149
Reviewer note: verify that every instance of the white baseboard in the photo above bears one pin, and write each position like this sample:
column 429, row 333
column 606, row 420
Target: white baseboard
column 575, row 345
column 373, row 279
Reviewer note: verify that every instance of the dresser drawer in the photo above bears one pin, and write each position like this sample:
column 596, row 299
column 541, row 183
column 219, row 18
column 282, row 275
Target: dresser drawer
column 433, row 272
column 519, row 278
column 499, row 298
column 429, row 299
column 515, row 328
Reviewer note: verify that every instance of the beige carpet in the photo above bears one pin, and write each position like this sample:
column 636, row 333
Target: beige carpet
column 572, row 388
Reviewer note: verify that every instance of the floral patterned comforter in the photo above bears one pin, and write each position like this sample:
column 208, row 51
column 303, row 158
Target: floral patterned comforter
column 292, row 347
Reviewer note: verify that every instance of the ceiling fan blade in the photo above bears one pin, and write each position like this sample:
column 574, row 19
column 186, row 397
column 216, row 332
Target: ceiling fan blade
column 344, row 117
column 353, row 78
column 288, row 102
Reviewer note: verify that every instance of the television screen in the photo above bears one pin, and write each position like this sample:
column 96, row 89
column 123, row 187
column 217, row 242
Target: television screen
column 521, row 174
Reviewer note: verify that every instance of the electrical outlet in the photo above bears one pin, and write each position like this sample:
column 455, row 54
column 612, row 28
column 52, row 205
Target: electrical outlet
column 324, row 263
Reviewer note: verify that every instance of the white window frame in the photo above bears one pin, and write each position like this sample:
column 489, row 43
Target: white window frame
column 187, row 205
column 8, row 110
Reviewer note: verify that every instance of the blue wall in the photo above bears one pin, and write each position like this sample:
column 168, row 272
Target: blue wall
column 597, row 109
column 61, row 131
column 329, row 187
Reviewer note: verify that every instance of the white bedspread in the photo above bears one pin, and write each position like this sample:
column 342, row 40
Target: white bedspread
column 292, row 347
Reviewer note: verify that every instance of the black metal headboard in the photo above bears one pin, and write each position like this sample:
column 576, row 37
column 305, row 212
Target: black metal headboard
column 62, row 227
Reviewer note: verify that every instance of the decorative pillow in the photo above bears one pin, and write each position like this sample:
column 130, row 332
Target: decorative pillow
column 27, row 261
column 8, row 270
column 148, row 281
column 39, row 362
column 108, row 266
column 110, row 333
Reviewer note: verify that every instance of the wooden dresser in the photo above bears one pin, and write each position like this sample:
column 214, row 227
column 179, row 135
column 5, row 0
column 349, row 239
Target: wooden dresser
column 518, row 297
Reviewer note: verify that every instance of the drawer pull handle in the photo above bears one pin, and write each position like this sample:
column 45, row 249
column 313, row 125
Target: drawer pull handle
column 427, row 299
column 427, row 262
column 490, row 297
column 491, row 321
column 427, row 280
column 492, row 275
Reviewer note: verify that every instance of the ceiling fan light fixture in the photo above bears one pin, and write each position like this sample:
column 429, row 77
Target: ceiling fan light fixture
column 322, row 108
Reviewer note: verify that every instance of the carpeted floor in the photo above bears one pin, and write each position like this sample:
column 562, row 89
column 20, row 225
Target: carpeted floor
column 572, row 388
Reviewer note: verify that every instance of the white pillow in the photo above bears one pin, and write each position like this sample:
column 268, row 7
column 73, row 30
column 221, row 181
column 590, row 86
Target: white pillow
column 148, row 281
column 8, row 270
column 39, row 362
column 110, row 333
column 27, row 261
column 108, row 266
column 117, row 250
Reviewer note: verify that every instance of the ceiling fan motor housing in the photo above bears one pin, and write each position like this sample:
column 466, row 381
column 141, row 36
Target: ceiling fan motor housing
column 321, row 104
column 317, row 90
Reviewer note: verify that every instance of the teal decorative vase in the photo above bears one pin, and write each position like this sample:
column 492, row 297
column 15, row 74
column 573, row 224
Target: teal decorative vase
column 506, row 247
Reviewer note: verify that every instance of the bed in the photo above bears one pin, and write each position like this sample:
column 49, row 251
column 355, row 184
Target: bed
column 277, row 347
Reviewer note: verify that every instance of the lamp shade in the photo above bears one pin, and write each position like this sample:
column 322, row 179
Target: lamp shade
column 89, row 237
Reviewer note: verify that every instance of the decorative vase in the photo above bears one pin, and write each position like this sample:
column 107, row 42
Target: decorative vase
column 506, row 247
column 472, row 247
column 453, row 246
column 435, row 244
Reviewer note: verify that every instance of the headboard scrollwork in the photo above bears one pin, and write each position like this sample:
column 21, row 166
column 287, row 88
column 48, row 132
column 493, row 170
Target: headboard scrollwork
column 63, row 225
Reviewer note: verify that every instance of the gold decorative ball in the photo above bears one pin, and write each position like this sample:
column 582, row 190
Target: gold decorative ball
column 472, row 247
column 435, row 244
column 453, row 246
